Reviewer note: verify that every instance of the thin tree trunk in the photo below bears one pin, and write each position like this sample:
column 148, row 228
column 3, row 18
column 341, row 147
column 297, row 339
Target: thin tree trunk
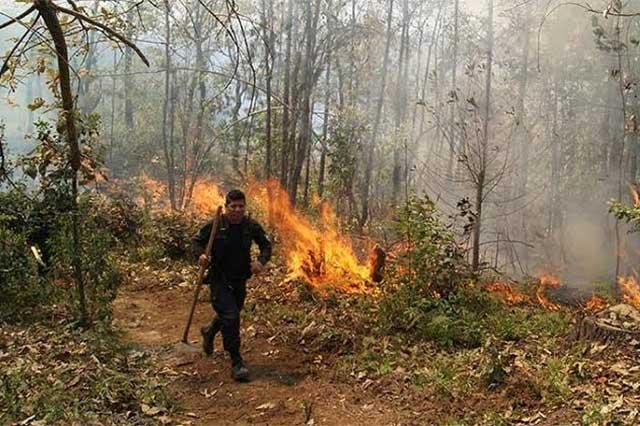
column 475, row 262
column 113, row 109
column 453, row 96
column 269, row 37
column 327, row 101
column 364, row 216
column 286, row 97
column 167, row 110
column 312, row 16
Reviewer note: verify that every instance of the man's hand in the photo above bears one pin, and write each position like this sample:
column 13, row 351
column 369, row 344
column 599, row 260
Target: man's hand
column 203, row 260
column 256, row 267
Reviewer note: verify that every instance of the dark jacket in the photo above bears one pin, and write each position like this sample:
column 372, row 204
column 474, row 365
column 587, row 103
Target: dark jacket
column 220, row 266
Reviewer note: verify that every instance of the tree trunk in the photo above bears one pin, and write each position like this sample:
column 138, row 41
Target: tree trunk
column 48, row 13
column 425, row 82
column 364, row 216
column 400, row 103
column 475, row 263
column 167, row 112
column 308, row 78
column 453, row 94
column 269, row 37
column 327, row 101
column 286, row 97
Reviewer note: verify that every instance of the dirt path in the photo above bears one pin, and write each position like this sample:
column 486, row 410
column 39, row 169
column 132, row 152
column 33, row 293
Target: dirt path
column 288, row 387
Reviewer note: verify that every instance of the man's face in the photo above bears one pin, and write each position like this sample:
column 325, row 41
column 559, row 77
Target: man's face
column 235, row 210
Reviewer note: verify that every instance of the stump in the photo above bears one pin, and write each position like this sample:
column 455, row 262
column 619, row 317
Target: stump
column 615, row 324
column 377, row 263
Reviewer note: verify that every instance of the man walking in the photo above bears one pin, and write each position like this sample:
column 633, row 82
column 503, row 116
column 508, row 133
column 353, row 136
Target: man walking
column 230, row 266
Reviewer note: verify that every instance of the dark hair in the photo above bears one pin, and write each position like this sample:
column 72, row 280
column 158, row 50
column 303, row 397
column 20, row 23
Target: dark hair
column 234, row 195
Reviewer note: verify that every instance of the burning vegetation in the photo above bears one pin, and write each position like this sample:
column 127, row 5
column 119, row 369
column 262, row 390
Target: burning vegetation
column 319, row 255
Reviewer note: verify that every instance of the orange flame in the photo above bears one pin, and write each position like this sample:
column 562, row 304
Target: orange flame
column 595, row 304
column 319, row 255
column 630, row 290
column 547, row 281
column 635, row 197
column 507, row 293
column 204, row 200
column 154, row 191
column 206, row 197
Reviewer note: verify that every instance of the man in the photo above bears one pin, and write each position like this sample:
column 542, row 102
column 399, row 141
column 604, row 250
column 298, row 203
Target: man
column 230, row 266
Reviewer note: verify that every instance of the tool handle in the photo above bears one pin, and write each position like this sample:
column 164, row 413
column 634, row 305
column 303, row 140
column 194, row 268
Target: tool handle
column 201, row 271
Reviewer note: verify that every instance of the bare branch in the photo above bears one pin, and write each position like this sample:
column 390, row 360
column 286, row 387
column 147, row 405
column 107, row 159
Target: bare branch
column 105, row 29
column 5, row 65
column 17, row 18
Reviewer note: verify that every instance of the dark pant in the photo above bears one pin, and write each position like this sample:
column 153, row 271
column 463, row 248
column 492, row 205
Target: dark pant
column 227, row 299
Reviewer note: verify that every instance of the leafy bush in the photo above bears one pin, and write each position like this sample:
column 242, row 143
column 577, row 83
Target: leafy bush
column 431, row 257
column 119, row 215
column 101, row 276
column 20, row 285
column 167, row 234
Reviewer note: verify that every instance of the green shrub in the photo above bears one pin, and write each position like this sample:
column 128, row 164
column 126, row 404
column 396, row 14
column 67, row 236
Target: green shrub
column 167, row 234
column 431, row 257
column 20, row 286
column 100, row 272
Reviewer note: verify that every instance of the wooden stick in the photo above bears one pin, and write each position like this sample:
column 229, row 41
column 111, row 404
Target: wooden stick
column 203, row 268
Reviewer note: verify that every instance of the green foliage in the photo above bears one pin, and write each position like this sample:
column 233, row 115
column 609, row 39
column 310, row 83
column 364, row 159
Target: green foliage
column 630, row 215
column 167, row 234
column 119, row 215
column 464, row 320
column 432, row 258
column 20, row 286
column 99, row 267
column 49, row 160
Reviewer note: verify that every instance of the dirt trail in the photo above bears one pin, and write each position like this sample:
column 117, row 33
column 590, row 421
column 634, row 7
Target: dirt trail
column 288, row 387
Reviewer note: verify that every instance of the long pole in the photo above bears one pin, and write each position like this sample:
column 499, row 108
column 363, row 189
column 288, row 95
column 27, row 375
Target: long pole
column 203, row 268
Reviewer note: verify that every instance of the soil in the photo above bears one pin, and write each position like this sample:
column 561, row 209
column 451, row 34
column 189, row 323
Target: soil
column 287, row 386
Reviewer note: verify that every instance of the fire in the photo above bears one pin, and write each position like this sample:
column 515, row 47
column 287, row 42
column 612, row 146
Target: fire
column 595, row 304
column 630, row 290
column 206, row 197
column 507, row 293
column 319, row 255
column 154, row 191
column 635, row 197
column 547, row 281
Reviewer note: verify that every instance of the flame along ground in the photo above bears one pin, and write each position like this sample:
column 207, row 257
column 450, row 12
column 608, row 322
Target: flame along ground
column 629, row 288
column 511, row 296
column 319, row 255
column 325, row 259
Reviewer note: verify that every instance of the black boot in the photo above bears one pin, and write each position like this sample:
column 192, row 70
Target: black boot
column 239, row 372
column 207, row 339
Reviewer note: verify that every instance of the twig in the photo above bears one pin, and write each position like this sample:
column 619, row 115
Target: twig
column 105, row 29
column 17, row 18
column 5, row 65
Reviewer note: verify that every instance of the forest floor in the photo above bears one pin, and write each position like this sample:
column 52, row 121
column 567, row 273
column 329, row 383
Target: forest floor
column 298, row 381
column 314, row 361
column 288, row 386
